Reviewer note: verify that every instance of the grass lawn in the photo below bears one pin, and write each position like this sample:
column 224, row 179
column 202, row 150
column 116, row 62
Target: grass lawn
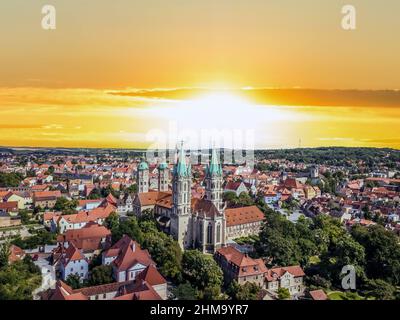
column 338, row 295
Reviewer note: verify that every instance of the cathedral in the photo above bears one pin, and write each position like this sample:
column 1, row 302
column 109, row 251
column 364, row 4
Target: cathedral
column 193, row 222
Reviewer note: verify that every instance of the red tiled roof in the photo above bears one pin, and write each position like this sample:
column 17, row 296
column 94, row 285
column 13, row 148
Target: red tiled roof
column 233, row 185
column 49, row 215
column 86, row 238
column 243, row 215
column 129, row 253
column 151, row 276
column 276, row 273
column 72, row 254
column 82, row 203
column 152, row 197
column 247, row 266
column 141, row 291
column 318, row 295
column 12, row 205
column 111, row 199
column 65, row 292
column 44, row 195
column 204, row 207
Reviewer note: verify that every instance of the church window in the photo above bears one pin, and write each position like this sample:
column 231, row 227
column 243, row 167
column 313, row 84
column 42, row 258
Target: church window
column 201, row 232
column 209, row 233
column 218, row 232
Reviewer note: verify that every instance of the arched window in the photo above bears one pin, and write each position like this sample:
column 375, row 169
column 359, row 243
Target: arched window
column 218, row 232
column 209, row 233
column 201, row 232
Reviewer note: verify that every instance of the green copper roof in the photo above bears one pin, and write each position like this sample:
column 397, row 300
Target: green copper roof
column 162, row 166
column 214, row 167
column 143, row 165
column 181, row 169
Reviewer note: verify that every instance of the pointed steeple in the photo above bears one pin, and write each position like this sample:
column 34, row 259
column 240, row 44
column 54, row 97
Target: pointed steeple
column 214, row 167
column 181, row 169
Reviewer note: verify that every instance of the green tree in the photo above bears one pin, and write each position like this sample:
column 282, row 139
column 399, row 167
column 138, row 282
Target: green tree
column 112, row 221
column 382, row 252
column 10, row 179
column 230, row 197
column 247, row 291
column 129, row 227
column 74, row 281
column 95, row 194
column 244, row 200
column 316, row 281
column 19, row 279
column 132, row 188
column 101, row 275
column 346, row 251
column 165, row 251
column 185, row 291
column 201, row 270
column 24, row 215
column 380, row 290
column 283, row 294
column 65, row 205
column 42, row 238
column 4, row 254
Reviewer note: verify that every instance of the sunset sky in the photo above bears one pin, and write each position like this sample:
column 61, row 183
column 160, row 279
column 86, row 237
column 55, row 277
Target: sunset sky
column 114, row 73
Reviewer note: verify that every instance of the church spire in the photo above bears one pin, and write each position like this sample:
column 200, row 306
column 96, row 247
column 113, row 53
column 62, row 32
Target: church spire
column 181, row 169
column 214, row 168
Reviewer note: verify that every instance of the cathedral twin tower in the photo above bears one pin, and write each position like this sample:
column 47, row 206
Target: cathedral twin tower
column 193, row 222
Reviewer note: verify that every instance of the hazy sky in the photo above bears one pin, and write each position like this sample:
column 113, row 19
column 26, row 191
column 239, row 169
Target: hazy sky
column 173, row 43
column 76, row 86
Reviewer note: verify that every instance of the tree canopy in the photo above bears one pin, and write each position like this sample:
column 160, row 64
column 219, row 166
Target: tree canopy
column 202, row 272
column 19, row 279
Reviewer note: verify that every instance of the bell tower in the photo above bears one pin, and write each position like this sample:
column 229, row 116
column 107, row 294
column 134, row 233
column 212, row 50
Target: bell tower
column 163, row 177
column 214, row 181
column 142, row 177
column 181, row 200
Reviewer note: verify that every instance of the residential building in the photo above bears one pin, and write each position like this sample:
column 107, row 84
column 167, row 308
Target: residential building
column 127, row 259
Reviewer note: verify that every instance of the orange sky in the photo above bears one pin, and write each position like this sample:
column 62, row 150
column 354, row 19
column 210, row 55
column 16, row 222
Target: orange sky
column 55, row 85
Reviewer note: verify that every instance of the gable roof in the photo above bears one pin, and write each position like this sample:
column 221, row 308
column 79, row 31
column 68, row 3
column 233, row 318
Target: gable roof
column 128, row 253
column 7, row 206
column 276, row 273
column 87, row 238
column 246, row 265
column 243, row 215
column 151, row 276
column 72, row 254
column 63, row 291
column 204, row 208
column 152, row 197
column 46, row 195
column 141, row 290
column 233, row 185
column 318, row 295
